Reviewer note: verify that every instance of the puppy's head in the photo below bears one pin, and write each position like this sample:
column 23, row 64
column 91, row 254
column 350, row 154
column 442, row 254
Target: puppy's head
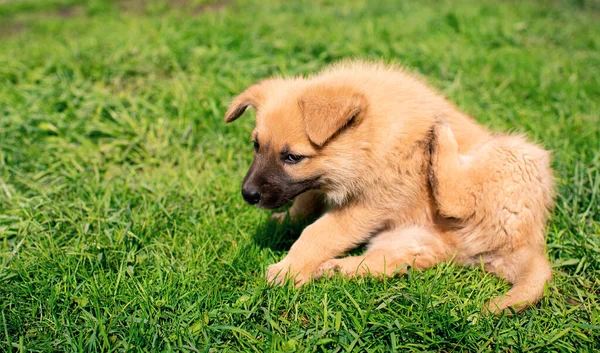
column 297, row 121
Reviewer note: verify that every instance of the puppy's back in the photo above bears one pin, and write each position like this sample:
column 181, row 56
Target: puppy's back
column 397, row 96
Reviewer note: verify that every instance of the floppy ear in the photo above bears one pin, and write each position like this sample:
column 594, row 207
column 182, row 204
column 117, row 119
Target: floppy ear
column 326, row 110
column 252, row 97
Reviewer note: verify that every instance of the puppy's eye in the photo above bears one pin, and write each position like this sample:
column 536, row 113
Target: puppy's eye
column 256, row 145
column 292, row 158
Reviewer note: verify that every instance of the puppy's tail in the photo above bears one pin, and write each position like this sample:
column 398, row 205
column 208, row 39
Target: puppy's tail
column 528, row 276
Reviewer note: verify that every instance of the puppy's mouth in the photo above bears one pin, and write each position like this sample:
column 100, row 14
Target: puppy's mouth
column 269, row 205
column 271, row 196
column 268, row 186
column 279, row 197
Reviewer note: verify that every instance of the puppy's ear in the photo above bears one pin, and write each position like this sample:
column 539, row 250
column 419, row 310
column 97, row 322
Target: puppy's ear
column 253, row 96
column 326, row 110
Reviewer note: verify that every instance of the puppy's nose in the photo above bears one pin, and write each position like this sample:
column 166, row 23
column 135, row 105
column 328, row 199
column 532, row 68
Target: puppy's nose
column 252, row 196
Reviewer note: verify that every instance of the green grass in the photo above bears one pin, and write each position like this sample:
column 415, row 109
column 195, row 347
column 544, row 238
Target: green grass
column 122, row 227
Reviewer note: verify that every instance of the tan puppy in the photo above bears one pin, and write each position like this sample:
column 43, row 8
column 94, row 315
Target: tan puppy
column 398, row 165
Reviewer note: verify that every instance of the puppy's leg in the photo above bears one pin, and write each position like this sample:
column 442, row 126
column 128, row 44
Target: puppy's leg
column 331, row 235
column 307, row 204
column 392, row 252
column 450, row 175
column 528, row 270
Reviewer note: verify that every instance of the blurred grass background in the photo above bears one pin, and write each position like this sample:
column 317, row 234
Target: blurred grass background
column 121, row 223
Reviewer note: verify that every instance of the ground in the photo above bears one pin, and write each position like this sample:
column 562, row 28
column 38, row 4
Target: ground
column 122, row 227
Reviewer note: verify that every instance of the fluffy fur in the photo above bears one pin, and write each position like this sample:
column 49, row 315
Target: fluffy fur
column 399, row 166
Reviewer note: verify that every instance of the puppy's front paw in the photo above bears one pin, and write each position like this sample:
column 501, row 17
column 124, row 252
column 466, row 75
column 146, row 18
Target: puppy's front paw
column 503, row 304
column 279, row 272
column 328, row 268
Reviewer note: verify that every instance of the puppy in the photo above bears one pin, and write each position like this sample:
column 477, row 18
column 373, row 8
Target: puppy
column 397, row 165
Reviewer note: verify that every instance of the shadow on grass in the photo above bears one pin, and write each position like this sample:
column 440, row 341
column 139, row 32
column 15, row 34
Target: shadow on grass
column 280, row 236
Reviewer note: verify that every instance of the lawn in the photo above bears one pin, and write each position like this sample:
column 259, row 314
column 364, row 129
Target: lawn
column 122, row 227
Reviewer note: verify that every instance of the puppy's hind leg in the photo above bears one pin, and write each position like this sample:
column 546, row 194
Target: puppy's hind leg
column 391, row 252
column 528, row 270
column 450, row 174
